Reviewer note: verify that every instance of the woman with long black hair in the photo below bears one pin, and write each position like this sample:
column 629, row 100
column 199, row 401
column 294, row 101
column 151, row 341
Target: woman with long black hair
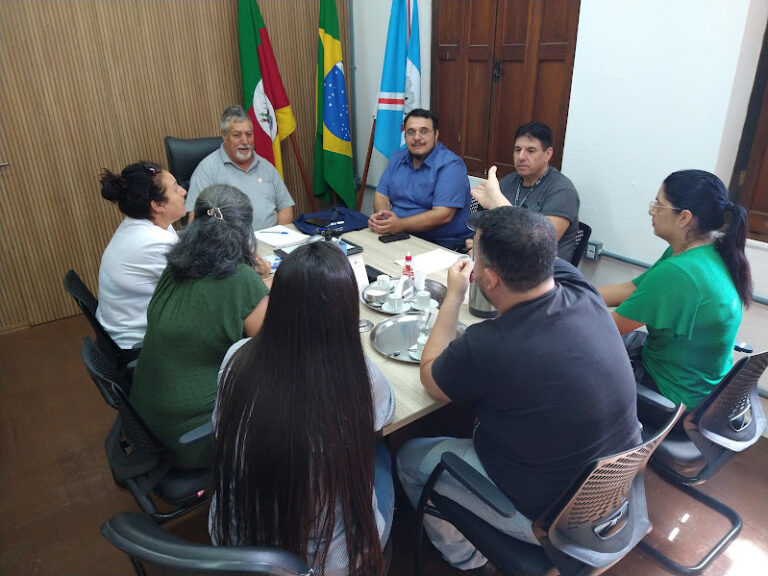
column 296, row 460
column 691, row 299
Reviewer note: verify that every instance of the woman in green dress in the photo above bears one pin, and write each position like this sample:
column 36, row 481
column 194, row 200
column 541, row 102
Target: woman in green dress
column 209, row 296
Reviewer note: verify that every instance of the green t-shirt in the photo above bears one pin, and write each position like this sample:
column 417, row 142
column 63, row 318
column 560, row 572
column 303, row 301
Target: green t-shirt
column 190, row 326
column 692, row 311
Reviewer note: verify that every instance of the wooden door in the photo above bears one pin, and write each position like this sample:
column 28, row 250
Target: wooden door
column 499, row 64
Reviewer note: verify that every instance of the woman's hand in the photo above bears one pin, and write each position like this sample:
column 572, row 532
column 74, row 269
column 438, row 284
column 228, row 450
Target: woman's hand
column 263, row 267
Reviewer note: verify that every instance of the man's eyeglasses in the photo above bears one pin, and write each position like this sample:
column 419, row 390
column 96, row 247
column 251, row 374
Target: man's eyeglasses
column 423, row 132
column 654, row 205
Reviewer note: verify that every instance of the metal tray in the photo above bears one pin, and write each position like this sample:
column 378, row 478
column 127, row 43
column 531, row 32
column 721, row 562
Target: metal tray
column 394, row 336
column 436, row 292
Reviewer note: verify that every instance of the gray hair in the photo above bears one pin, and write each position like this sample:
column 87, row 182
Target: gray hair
column 219, row 237
column 235, row 113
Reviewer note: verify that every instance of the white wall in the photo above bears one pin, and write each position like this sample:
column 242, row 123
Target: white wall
column 370, row 19
column 657, row 86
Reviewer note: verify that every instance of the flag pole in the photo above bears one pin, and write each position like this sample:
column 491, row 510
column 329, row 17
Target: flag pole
column 361, row 193
column 303, row 171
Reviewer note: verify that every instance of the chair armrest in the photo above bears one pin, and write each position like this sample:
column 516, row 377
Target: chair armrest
column 478, row 484
column 743, row 347
column 654, row 399
column 196, row 434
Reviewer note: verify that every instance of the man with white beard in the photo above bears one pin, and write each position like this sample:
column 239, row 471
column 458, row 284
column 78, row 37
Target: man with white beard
column 236, row 164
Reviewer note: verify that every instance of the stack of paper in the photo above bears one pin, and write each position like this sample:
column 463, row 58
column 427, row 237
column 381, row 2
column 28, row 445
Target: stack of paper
column 279, row 236
column 433, row 261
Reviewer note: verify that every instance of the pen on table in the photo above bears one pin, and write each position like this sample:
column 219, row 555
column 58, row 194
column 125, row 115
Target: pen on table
column 272, row 232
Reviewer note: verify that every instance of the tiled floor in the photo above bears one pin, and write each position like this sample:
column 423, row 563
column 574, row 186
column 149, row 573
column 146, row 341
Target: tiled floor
column 56, row 488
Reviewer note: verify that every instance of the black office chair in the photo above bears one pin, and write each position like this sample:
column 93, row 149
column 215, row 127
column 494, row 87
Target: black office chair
column 184, row 154
column 88, row 304
column 138, row 459
column 593, row 525
column 582, row 237
column 727, row 421
column 103, row 373
column 146, row 543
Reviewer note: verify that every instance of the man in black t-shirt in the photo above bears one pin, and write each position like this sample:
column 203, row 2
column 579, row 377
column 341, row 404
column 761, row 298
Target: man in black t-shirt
column 548, row 379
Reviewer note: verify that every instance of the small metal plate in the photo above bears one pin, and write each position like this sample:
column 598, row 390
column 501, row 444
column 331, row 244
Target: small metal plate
column 436, row 292
column 394, row 336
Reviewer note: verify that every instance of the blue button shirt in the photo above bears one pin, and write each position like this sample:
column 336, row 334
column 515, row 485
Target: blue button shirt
column 440, row 180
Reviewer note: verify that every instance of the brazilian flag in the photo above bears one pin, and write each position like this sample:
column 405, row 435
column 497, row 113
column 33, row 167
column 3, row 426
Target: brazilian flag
column 333, row 139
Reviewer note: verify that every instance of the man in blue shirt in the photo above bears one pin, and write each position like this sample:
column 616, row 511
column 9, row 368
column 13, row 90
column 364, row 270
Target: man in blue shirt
column 424, row 189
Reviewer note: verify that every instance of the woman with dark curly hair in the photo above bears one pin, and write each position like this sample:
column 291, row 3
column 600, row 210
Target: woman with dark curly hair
column 209, row 297
column 135, row 257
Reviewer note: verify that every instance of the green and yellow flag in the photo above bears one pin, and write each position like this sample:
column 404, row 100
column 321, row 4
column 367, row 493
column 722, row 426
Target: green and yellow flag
column 333, row 139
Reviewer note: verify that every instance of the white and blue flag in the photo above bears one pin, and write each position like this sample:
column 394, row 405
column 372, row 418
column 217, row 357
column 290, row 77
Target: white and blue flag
column 401, row 78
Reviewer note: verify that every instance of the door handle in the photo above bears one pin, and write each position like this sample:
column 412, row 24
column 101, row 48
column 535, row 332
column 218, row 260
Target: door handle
column 497, row 70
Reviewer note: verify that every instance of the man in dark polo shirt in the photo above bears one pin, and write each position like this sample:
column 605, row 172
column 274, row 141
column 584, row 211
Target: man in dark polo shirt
column 549, row 379
column 537, row 186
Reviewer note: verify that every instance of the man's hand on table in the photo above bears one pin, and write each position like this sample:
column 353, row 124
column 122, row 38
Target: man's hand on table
column 385, row 222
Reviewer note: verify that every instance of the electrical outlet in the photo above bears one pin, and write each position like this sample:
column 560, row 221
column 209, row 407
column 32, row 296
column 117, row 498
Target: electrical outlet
column 593, row 250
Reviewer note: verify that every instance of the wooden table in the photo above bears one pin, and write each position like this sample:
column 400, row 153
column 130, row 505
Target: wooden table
column 412, row 401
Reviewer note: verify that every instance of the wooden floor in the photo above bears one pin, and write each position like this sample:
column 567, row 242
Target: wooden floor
column 56, row 488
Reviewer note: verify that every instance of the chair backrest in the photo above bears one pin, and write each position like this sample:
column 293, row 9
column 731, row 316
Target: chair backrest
column 731, row 418
column 88, row 303
column 136, row 432
column 604, row 514
column 184, row 154
column 582, row 237
column 101, row 370
column 145, row 542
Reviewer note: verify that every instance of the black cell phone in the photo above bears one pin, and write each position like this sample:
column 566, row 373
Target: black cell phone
column 317, row 222
column 394, row 237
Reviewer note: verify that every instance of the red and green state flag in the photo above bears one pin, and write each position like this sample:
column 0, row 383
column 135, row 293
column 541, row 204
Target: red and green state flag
column 333, row 139
column 263, row 92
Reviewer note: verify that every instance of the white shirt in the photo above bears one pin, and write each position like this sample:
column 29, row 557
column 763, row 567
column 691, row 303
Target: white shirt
column 130, row 268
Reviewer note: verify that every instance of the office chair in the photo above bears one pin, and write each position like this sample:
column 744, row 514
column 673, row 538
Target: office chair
column 88, row 304
column 582, row 237
column 137, row 458
column 593, row 525
column 103, row 373
column 145, row 542
column 184, row 154
column 729, row 420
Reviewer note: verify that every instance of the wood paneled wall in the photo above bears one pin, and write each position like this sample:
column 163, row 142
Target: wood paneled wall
column 88, row 85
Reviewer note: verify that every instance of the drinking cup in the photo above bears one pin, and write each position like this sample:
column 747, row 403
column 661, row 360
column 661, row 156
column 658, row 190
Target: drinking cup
column 395, row 302
column 382, row 281
column 422, row 299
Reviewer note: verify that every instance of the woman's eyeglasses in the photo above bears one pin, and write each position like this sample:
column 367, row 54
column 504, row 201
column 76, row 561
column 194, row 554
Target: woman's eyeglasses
column 654, row 205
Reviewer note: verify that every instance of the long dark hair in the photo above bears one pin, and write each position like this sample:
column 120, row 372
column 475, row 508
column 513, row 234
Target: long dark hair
column 706, row 197
column 134, row 189
column 219, row 237
column 294, row 420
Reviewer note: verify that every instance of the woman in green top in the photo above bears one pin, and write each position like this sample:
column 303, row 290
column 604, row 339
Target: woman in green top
column 691, row 299
column 209, row 296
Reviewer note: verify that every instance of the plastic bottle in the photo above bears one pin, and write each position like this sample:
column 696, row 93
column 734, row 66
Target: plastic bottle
column 408, row 269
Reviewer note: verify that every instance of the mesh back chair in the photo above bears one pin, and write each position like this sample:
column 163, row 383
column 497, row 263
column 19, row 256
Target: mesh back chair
column 582, row 237
column 594, row 524
column 184, row 154
column 102, row 372
column 727, row 421
column 138, row 459
column 88, row 304
column 148, row 544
